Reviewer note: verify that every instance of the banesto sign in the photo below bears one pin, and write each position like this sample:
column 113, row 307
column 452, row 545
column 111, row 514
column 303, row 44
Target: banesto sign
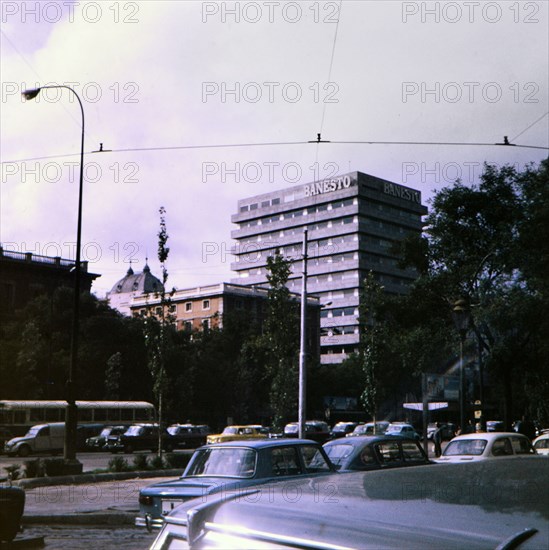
column 401, row 192
column 327, row 186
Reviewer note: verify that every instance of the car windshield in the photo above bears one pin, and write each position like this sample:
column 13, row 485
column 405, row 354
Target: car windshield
column 394, row 429
column 232, row 462
column 230, row 430
column 291, row 428
column 105, row 432
column 337, row 453
column 134, row 430
column 472, row 447
column 33, row 431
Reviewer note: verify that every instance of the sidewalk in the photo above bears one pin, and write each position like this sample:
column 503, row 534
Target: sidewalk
column 88, row 499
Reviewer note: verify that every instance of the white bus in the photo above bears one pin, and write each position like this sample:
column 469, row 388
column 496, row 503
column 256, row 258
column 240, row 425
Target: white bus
column 19, row 416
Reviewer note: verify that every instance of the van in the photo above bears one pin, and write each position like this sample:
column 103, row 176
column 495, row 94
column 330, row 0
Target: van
column 42, row 438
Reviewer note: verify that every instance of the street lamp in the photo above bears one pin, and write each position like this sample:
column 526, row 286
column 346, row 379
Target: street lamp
column 462, row 319
column 302, row 412
column 72, row 413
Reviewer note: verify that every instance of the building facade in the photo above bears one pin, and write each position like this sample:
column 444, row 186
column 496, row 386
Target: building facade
column 352, row 221
column 24, row 276
column 206, row 307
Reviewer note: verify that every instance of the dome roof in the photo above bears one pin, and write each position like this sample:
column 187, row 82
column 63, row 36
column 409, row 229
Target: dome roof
column 140, row 283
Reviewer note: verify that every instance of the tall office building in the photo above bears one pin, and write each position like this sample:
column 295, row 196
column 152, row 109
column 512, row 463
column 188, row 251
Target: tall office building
column 352, row 222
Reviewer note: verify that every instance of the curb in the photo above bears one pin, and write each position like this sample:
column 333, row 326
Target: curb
column 94, row 478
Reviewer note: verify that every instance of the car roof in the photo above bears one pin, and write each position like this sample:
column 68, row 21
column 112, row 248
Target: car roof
column 489, row 436
column 359, row 440
column 261, row 443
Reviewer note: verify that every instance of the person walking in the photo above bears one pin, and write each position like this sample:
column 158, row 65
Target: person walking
column 437, row 440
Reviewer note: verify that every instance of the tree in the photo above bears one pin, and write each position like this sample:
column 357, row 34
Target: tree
column 281, row 338
column 483, row 243
column 157, row 331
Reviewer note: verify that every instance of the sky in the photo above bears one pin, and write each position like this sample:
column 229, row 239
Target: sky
column 164, row 83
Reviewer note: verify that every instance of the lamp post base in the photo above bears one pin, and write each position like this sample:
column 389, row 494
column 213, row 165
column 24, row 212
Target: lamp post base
column 72, row 467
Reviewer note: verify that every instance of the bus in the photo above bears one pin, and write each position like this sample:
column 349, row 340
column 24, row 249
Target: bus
column 18, row 416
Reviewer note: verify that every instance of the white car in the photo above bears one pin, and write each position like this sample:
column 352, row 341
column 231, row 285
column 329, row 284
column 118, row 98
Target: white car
column 541, row 444
column 484, row 446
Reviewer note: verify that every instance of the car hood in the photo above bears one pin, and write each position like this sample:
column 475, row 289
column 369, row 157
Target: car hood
column 16, row 440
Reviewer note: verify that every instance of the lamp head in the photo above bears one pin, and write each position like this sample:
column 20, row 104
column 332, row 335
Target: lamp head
column 31, row 94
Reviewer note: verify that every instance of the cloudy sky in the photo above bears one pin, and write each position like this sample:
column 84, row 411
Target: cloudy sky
column 158, row 79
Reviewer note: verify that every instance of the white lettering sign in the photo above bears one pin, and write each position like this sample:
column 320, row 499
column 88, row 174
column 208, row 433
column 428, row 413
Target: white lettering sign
column 402, row 192
column 327, row 186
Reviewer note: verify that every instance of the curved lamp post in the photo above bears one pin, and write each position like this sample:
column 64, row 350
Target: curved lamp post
column 72, row 413
column 462, row 319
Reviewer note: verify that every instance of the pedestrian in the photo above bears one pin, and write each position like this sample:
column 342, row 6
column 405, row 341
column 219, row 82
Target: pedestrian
column 527, row 428
column 437, row 440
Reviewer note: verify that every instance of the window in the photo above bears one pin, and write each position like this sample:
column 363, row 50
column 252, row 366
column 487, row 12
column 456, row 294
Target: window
column 206, row 324
column 275, row 201
column 205, row 304
column 189, row 306
column 388, row 452
column 244, row 208
column 264, row 204
column 188, row 326
column 285, row 462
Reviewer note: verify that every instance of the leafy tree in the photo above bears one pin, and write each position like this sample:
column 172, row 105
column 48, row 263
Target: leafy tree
column 482, row 243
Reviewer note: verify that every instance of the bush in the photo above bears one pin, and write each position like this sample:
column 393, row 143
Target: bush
column 157, row 463
column 177, row 460
column 13, row 471
column 118, row 464
column 140, row 462
column 34, row 468
column 54, row 467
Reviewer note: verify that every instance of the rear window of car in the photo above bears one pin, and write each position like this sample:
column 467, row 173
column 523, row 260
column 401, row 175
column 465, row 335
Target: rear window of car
column 231, row 462
column 314, row 460
column 521, row 446
column 471, row 447
column 337, row 453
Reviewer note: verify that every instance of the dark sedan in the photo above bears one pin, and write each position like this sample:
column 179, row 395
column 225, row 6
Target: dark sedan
column 230, row 468
column 493, row 504
column 375, row 452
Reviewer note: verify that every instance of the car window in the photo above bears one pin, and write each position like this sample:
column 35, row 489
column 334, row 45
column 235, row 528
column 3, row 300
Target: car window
column 367, row 456
column 230, row 430
column 471, row 447
column 223, row 462
column 521, row 446
column 388, row 452
column 411, row 452
column 502, row 447
column 44, row 431
column 285, row 462
column 337, row 453
column 314, row 460
column 542, row 444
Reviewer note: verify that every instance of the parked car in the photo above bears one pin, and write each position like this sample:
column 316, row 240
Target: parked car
column 231, row 468
column 42, row 438
column 188, row 435
column 541, row 444
column 84, row 432
column 342, row 429
column 237, row 433
column 500, row 503
column 447, row 430
column 12, row 505
column 485, row 446
column 375, row 452
column 99, row 442
column 317, row 430
column 403, row 429
column 140, row 437
column 495, row 426
column 368, row 429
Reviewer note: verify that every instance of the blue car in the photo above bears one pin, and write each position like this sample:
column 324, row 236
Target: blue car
column 231, row 467
column 375, row 452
